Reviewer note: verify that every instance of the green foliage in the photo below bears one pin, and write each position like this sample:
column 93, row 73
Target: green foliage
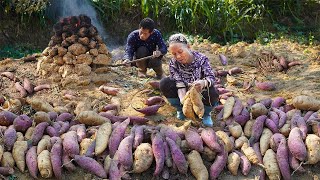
column 18, row 51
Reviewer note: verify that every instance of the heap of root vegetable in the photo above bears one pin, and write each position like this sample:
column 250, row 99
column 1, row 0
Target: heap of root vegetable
column 277, row 136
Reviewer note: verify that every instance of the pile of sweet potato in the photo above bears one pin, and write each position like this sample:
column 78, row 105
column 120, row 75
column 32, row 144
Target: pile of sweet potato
column 269, row 133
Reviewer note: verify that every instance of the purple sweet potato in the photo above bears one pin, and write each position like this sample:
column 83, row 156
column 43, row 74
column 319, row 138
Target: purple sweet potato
column 27, row 85
column 20, row 89
column 38, row 132
column 158, row 152
column 9, row 75
column 81, row 132
column 296, row 144
column 271, row 125
column 295, row 164
column 275, row 141
column 154, row 100
column 283, row 159
column 138, row 120
column 223, row 59
column 210, row 138
column 301, row 124
column 237, row 108
column 67, row 163
column 114, row 171
column 274, row 117
column 278, row 101
column 109, row 107
column 31, row 160
column 56, row 158
column 52, row 132
column 7, row 118
column 257, row 129
column 266, row 102
column 172, row 134
column 245, row 164
column 194, row 140
column 256, row 148
column 138, row 136
column 222, row 73
column 177, row 156
column 6, row 171
column 307, row 115
column 243, row 117
column 65, row 117
column 282, row 117
column 90, row 165
column 250, row 102
column 91, row 149
column 22, row 123
column 235, row 70
column 70, row 143
column 219, row 163
column 9, row 138
column 112, row 117
column 124, row 152
column 64, row 126
column 168, row 158
column 116, row 137
column 149, row 110
column 265, row 86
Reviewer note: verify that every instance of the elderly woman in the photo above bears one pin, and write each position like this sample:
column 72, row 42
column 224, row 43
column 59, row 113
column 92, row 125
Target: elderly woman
column 188, row 67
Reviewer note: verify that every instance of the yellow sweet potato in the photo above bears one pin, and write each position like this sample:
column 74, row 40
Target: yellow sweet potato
column 143, row 157
column 44, row 164
column 29, row 133
column 197, row 103
column 265, row 140
column 271, row 165
column 233, row 163
column 197, row 168
column 285, row 130
column 226, row 139
column 239, row 142
column 313, row 148
column 40, row 105
column 228, row 107
column 7, row 160
column 235, row 130
column 82, row 106
column 248, row 128
column 250, row 153
column 41, row 116
column 19, row 154
column 307, row 103
column 91, row 118
column 187, row 108
column 44, row 144
column 102, row 137
column 85, row 143
column 20, row 137
column 258, row 109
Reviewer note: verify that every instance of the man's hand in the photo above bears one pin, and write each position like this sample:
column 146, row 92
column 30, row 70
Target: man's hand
column 127, row 62
column 156, row 53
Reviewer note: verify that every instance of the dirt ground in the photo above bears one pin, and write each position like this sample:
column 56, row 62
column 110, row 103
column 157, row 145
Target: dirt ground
column 298, row 80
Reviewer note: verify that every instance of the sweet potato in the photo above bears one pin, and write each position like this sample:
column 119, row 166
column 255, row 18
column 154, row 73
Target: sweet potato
column 70, row 143
column 116, row 137
column 233, row 163
column 90, row 165
column 210, row 138
column 20, row 89
column 197, row 103
column 228, row 144
column 41, row 87
column 64, row 126
column 138, row 136
column 106, row 164
column 149, row 110
column 194, row 140
column 124, row 152
column 84, row 145
column 219, row 163
column 271, row 125
column 278, row 101
column 67, row 162
column 282, row 117
column 237, row 108
column 228, row 107
column 114, row 171
column 56, row 158
column 248, row 128
column 223, row 59
column 256, row 148
column 295, row 163
column 19, row 154
column 38, row 132
column 249, row 152
column 235, row 129
column 258, row 109
column 6, row 171
column 235, row 70
column 171, row 133
column 208, row 154
column 154, row 84
column 27, row 85
column 168, row 158
column 91, row 118
column 296, row 144
column 239, row 142
column 283, row 159
column 285, row 130
column 177, row 156
column 41, row 116
column 271, row 165
column 275, row 141
column 257, row 129
column 65, row 117
column 313, row 149
column 9, row 138
column 158, row 152
column 22, row 123
column 245, row 164
column 222, row 73
column 1, row 151
column 8, row 75
column 154, row 100
column 29, row 133
column 306, row 103
column 265, row 86
column 143, row 158
column 197, row 168
column 7, row 118
column 265, row 140
column 243, row 117
column 40, row 105
column 109, row 90
column 32, row 163
column 44, row 164
column 44, row 144
column 274, row 117
column 7, row 160
column 52, row 132
column 187, row 107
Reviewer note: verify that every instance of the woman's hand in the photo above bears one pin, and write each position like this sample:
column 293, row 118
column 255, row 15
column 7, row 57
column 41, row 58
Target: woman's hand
column 181, row 93
column 200, row 84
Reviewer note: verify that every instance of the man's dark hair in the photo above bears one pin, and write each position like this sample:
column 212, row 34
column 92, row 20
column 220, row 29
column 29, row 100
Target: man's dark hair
column 147, row 23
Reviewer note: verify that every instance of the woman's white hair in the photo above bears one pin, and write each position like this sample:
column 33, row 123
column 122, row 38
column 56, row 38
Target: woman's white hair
column 178, row 38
